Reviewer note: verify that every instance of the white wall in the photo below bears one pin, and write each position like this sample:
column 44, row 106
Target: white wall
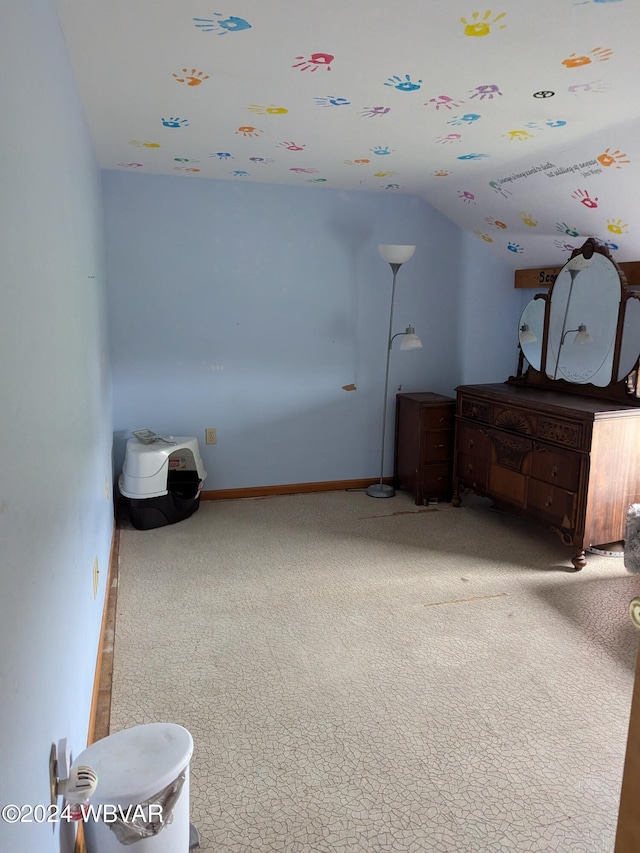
column 55, row 422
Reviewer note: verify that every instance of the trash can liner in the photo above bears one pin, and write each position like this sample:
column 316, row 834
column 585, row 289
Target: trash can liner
column 632, row 540
column 130, row 831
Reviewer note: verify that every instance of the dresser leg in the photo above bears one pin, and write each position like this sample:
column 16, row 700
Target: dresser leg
column 579, row 560
column 456, row 500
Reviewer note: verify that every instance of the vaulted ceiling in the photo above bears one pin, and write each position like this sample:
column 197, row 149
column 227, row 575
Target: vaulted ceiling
column 519, row 122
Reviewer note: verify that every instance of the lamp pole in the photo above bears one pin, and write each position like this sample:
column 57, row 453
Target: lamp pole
column 380, row 489
column 395, row 255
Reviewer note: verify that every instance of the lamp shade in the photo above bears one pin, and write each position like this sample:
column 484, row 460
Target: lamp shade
column 526, row 335
column 410, row 340
column 394, row 254
column 583, row 336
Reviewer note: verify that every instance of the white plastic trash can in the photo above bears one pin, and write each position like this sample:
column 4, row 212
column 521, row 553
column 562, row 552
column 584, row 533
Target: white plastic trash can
column 134, row 766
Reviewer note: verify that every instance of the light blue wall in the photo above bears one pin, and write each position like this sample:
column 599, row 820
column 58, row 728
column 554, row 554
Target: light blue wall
column 490, row 308
column 55, row 421
column 247, row 307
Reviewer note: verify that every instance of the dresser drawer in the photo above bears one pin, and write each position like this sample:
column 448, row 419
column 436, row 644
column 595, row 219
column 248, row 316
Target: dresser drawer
column 558, row 467
column 471, row 438
column 472, row 454
column 561, row 432
column 475, row 410
column 437, row 445
column 552, row 503
column 472, row 470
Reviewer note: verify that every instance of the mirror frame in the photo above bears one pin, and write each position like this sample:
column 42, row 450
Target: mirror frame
column 625, row 390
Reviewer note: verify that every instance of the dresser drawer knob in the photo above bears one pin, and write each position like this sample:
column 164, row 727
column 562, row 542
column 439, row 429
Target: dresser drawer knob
column 554, row 471
column 470, row 442
column 439, row 445
column 548, row 502
column 469, row 467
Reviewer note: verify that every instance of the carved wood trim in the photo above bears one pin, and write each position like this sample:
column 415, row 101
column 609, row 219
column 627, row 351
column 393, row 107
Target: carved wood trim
column 513, row 421
column 558, row 432
column 511, row 451
column 475, row 410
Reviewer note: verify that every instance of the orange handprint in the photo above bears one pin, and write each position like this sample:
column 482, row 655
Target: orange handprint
column 609, row 159
column 191, row 78
column 247, row 130
column 598, row 54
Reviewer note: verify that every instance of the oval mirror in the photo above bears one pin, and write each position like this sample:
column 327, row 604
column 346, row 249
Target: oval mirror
column 530, row 331
column 630, row 338
column 583, row 320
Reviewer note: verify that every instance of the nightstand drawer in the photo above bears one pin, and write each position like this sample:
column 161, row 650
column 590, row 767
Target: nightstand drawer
column 440, row 418
column 437, row 445
column 436, row 478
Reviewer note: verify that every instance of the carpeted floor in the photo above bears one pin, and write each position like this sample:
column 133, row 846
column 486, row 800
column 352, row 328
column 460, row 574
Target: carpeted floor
column 367, row 675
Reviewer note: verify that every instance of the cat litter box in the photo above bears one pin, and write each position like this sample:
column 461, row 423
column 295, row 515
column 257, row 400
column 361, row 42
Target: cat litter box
column 161, row 480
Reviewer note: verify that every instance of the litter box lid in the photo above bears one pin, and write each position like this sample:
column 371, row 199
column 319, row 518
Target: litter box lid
column 136, row 763
column 146, row 466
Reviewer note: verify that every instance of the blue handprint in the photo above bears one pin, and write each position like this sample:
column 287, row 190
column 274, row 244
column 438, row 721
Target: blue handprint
column 472, row 156
column 174, row 122
column 467, row 118
column 551, row 123
column 228, row 25
column 223, row 155
column 332, row 101
column 515, row 247
column 403, row 85
column 240, row 173
column 379, row 149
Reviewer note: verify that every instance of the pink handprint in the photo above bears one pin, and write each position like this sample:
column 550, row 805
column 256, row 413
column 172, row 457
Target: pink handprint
column 315, row 61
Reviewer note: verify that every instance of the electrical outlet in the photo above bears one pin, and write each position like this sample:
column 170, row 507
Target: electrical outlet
column 211, row 436
column 96, row 578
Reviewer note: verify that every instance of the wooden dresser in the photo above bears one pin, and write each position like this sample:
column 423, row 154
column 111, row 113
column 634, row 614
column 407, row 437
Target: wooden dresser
column 570, row 461
column 423, row 460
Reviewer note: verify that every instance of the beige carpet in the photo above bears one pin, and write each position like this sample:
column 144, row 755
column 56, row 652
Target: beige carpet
column 367, row 675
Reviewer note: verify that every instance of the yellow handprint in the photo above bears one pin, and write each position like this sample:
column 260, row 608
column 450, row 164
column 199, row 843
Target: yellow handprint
column 481, row 27
column 520, row 135
column 616, row 226
column 526, row 218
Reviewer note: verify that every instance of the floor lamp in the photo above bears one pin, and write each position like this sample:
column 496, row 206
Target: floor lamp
column 395, row 256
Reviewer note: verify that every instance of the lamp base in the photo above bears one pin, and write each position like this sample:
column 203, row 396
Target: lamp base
column 380, row 490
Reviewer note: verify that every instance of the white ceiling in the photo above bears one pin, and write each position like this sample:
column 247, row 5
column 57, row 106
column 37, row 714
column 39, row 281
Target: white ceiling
column 520, row 123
